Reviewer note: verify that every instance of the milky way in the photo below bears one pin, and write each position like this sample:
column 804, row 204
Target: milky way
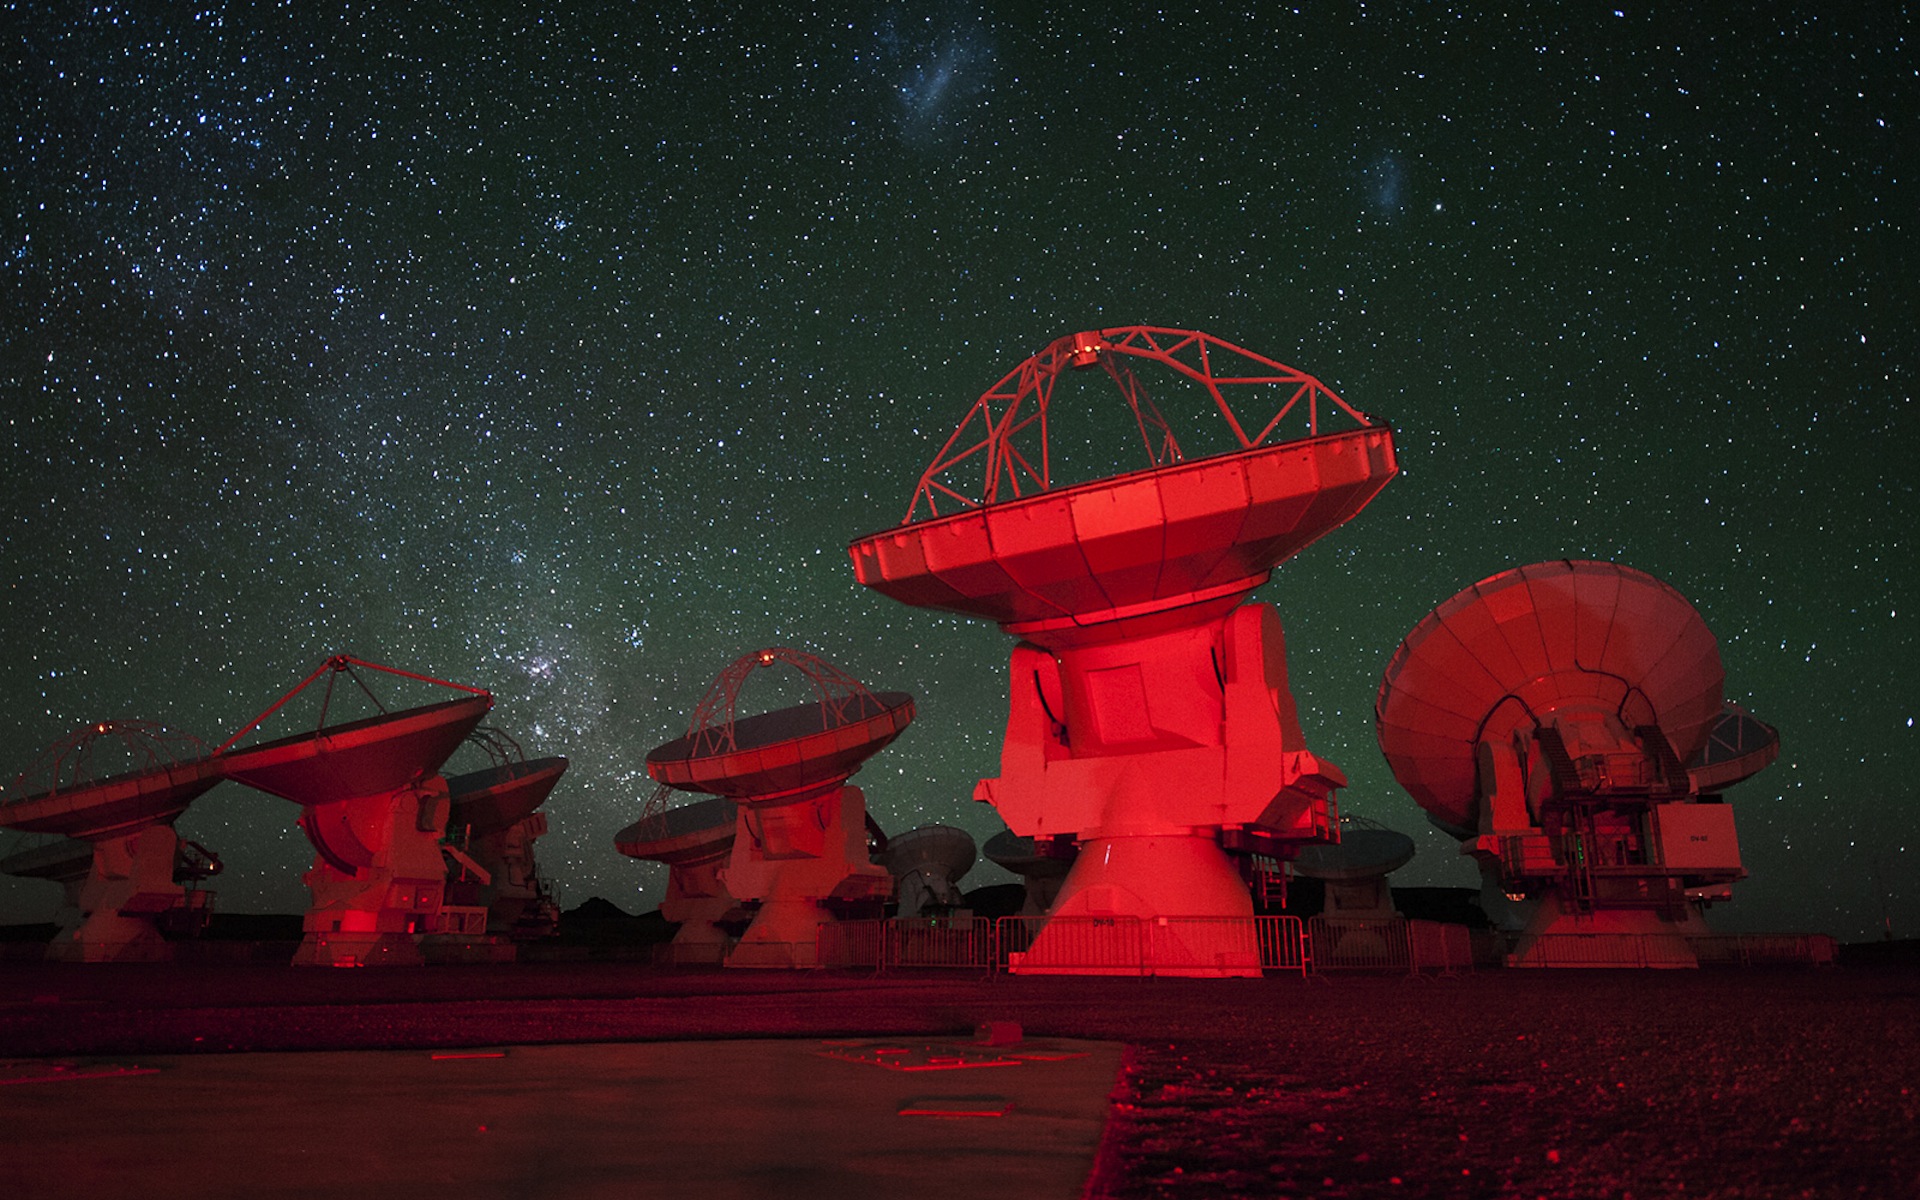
column 563, row 355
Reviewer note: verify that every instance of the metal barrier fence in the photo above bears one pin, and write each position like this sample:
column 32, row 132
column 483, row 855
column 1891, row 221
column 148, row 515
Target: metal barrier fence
column 1151, row 946
column 1670, row 950
column 1103, row 945
column 911, row 942
column 1119, row 945
column 1283, row 944
column 1345, row 944
column 1439, row 948
column 1765, row 949
column 1122, row 945
column 1602, row 950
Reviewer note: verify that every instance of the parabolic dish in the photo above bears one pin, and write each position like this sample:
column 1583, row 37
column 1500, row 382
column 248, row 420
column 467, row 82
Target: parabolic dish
column 359, row 758
column 1360, row 854
column 689, row 833
column 63, row 860
column 1520, row 646
column 114, row 806
column 1133, row 544
column 1739, row 747
column 784, row 754
column 1019, row 855
column 484, row 802
column 942, row 848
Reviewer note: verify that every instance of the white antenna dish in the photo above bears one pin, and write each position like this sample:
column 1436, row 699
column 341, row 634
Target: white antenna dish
column 1355, row 869
column 1562, row 719
column 1040, row 868
column 926, row 864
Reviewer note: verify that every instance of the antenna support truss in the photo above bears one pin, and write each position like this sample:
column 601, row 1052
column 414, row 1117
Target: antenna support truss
column 1005, row 432
column 842, row 698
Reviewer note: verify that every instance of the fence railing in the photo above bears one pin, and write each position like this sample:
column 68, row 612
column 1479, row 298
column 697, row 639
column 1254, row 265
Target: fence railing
column 1346, row 944
column 1765, row 949
column 1666, row 950
column 1124, row 945
column 1104, row 945
column 1601, row 950
column 1118, row 945
column 965, row 942
column 1440, row 948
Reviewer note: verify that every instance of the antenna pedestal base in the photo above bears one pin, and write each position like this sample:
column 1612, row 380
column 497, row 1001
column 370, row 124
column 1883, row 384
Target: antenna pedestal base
column 1607, row 937
column 785, row 934
column 110, row 937
column 378, row 879
column 1144, row 750
column 348, row 949
column 791, row 857
column 511, row 891
column 1164, row 904
column 695, row 900
column 129, row 883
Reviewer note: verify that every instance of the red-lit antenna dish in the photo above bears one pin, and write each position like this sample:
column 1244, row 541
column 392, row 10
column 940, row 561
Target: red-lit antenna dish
column 1363, row 852
column 1039, row 554
column 63, row 860
column 109, row 779
column 1024, row 858
column 1567, row 636
column 1739, row 747
column 691, row 833
column 366, row 757
column 788, row 754
column 484, row 802
column 1042, row 869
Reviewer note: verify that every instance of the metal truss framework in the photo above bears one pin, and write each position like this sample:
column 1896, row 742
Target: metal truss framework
column 842, row 698
column 1005, row 431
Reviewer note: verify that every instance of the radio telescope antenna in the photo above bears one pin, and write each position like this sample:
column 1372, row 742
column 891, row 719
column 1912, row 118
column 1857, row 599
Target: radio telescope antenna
column 493, row 820
column 927, row 865
column 800, row 841
column 1150, row 718
column 117, row 787
column 375, row 808
column 1545, row 716
column 695, row 841
column 1041, row 868
column 1355, row 869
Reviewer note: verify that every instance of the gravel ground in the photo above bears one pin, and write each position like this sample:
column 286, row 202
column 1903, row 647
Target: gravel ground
column 1756, row 1083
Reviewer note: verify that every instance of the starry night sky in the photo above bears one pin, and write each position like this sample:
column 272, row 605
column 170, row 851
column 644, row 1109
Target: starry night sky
column 562, row 354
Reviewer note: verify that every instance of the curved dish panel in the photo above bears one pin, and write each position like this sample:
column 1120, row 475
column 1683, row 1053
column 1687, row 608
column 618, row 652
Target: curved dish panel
column 63, row 861
column 781, row 754
column 116, row 805
column 690, row 833
column 1134, row 544
column 1739, row 747
column 360, row 758
column 485, row 802
column 944, row 847
column 1019, row 855
column 1516, row 647
column 1360, row 854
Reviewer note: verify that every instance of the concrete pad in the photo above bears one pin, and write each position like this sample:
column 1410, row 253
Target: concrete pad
column 889, row 1117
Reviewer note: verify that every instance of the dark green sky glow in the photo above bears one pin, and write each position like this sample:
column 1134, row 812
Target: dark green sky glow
column 562, row 355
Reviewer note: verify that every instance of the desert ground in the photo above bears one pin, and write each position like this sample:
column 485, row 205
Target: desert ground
column 1707, row 1083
